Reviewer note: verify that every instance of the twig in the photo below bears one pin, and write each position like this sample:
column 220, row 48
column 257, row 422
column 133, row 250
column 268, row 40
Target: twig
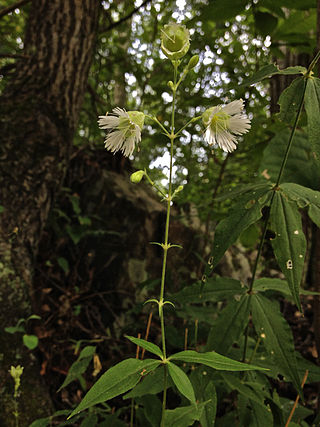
column 147, row 334
column 14, row 6
column 297, row 399
column 125, row 18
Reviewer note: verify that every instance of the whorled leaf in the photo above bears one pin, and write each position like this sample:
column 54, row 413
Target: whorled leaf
column 181, row 381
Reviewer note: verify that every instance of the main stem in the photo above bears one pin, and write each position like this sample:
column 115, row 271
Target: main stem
column 166, row 247
column 266, row 220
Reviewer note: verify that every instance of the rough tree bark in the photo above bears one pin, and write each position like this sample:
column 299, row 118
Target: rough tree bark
column 38, row 113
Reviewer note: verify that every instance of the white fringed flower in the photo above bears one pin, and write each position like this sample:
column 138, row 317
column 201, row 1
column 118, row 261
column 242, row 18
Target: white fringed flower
column 125, row 130
column 223, row 123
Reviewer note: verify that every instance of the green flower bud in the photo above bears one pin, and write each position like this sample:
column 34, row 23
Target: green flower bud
column 175, row 41
column 136, row 177
column 170, row 84
column 193, row 62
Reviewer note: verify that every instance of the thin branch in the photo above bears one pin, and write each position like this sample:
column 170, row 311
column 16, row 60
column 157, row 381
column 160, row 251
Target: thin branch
column 14, row 6
column 125, row 18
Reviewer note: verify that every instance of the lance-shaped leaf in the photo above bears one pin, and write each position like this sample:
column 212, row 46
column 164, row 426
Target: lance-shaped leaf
column 215, row 289
column 183, row 416
column 117, row 380
column 304, row 196
column 289, row 244
column 312, row 106
column 290, row 100
column 213, row 360
column 229, row 326
column 250, row 390
column 151, row 384
column 245, row 213
column 278, row 285
column 181, row 381
column 146, row 345
column 276, row 336
column 271, row 70
column 203, row 384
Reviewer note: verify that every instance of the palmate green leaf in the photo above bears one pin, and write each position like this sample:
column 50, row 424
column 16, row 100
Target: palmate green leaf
column 205, row 391
column 290, row 100
column 229, row 326
column 304, row 197
column 312, row 106
column 276, row 336
column 301, row 167
column 181, row 381
column 149, row 346
column 289, row 245
column 183, row 416
column 215, row 289
column 245, row 213
column 117, row 380
column 271, row 70
column 213, row 360
column 79, row 366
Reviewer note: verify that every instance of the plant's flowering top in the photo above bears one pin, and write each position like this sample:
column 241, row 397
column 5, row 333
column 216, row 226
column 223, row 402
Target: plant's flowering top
column 223, row 123
column 125, row 130
column 175, row 41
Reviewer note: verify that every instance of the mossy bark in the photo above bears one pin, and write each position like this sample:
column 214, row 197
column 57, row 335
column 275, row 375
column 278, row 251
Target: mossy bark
column 39, row 110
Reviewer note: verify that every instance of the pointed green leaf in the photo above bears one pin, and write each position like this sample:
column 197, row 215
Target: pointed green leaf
column 271, row 70
column 30, row 341
column 312, row 106
column 289, row 245
column 254, row 414
column 235, row 383
column 146, row 345
column 151, row 384
column 213, row 360
column 290, row 100
column 304, row 196
column 267, row 284
column 181, row 381
column 215, row 289
column 245, row 213
column 301, row 167
column 276, row 336
column 117, row 380
column 205, row 390
column 79, row 366
column 229, row 326
column 183, row 416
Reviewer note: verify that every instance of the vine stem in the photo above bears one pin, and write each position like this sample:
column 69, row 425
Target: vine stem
column 275, row 188
column 166, row 246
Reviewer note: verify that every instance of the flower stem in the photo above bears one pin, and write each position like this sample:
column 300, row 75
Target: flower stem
column 165, row 247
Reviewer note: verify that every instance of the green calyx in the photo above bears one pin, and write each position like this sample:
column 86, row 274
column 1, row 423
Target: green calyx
column 137, row 176
column 217, row 121
column 137, row 118
column 175, row 41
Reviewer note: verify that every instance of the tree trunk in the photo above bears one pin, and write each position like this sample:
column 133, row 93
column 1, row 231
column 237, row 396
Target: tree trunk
column 38, row 114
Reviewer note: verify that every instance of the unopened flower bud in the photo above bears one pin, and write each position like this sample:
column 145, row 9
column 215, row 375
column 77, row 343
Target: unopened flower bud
column 175, row 41
column 170, row 84
column 136, row 177
column 193, row 62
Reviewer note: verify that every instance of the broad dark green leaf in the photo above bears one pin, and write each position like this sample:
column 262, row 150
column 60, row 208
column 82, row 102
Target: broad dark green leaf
column 290, row 100
column 205, row 391
column 183, row 416
column 221, row 10
column 304, row 197
column 231, row 322
column 312, row 106
column 79, row 366
column 245, row 213
column 265, row 22
column 271, row 70
column 152, row 409
column 213, row 360
column 276, row 336
column 252, row 391
column 151, row 384
column 289, row 244
column 146, row 345
column 181, row 381
column 117, row 380
column 215, row 289
column 254, row 414
column 278, row 285
column 301, row 167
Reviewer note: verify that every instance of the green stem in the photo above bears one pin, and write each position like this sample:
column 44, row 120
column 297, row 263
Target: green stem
column 275, row 188
column 155, row 185
column 166, row 247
